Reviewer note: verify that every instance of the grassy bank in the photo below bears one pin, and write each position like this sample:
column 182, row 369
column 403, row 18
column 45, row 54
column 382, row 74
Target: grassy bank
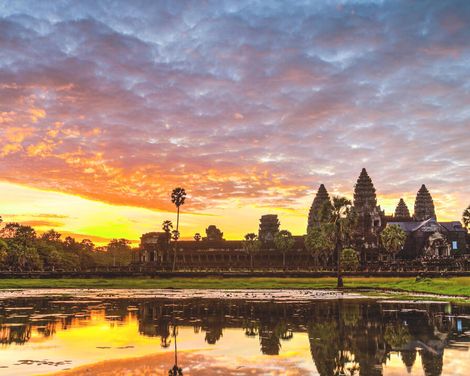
column 449, row 286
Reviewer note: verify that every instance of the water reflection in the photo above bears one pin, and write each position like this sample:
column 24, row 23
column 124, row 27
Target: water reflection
column 344, row 337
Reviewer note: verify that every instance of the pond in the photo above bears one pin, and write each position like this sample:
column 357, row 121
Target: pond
column 230, row 333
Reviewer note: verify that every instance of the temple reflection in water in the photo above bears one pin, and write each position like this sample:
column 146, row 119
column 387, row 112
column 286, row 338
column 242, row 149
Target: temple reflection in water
column 345, row 337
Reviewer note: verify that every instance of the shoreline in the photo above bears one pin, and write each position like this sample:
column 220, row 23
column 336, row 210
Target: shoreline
column 457, row 288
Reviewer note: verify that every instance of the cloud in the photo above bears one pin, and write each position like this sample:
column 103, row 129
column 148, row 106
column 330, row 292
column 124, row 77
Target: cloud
column 41, row 223
column 122, row 102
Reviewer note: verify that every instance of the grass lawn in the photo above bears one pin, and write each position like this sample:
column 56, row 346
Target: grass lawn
column 449, row 286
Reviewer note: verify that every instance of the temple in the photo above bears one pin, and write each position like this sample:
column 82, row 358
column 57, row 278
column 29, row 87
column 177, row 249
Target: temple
column 321, row 199
column 370, row 217
column 426, row 237
column 424, row 205
column 402, row 210
column 268, row 228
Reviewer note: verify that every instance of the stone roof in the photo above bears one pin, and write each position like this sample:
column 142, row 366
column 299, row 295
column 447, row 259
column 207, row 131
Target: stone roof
column 412, row 226
column 453, row 226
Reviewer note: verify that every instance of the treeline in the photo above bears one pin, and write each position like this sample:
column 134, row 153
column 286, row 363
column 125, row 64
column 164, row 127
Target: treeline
column 22, row 249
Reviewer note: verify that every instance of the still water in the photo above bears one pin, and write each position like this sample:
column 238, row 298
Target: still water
column 105, row 335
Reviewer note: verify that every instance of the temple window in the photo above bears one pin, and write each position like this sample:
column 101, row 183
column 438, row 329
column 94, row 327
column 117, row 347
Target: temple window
column 455, row 245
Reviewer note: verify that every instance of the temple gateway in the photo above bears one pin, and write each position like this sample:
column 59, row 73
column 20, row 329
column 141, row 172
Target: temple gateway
column 426, row 237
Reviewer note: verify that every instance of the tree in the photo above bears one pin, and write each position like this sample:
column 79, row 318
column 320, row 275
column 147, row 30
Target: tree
column 393, row 238
column 213, row 234
column 167, row 226
column 175, row 235
column 51, row 236
column 197, row 237
column 349, row 259
column 251, row 245
column 318, row 242
column 341, row 220
column 19, row 233
column 178, row 196
column 49, row 254
column 466, row 217
column 3, row 251
column 284, row 242
column 120, row 249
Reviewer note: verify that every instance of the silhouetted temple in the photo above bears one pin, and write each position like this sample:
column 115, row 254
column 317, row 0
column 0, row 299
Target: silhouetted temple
column 268, row 227
column 402, row 210
column 321, row 199
column 427, row 238
column 370, row 217
column 424, row 205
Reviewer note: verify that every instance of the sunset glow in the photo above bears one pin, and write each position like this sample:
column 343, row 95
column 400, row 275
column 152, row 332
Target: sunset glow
column 248, row 106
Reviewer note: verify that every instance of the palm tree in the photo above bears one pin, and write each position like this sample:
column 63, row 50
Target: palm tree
column 175, row 235
column 167, row 226
column 178, row 196
column 340, row 212
column 319, row 243
column 466, row 217
column 393, row 238
column 284, row 242
column 251, row 245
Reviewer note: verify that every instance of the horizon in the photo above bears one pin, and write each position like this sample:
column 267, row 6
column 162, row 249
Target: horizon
column 105, row 108
column 45, row 221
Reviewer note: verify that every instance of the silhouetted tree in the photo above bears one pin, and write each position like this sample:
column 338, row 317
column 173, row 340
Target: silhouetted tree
column 51, row 236
column 167, row 226
column 340, row 212
column 251, row 245
column 178, row 196
column 319, row 243
column 197, row 237
column 213, row 234
column 284, row 242
column 120, row 249
column 3, row 252
column 466, row 217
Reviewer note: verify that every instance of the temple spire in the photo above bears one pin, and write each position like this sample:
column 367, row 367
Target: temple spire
column 314, row 215
column 402, row 210
column 424, row 205
column 365, row 198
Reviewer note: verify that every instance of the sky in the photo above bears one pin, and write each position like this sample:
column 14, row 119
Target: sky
column 106, row 106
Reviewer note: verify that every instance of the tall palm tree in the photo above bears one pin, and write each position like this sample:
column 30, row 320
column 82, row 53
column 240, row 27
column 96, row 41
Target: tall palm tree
column 466, row 217
column 178, row 196
column 251, row 245
column 284, row 242
column 340, row 211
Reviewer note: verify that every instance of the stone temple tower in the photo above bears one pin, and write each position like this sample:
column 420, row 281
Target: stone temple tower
column 268, row 227
column 369, row 214
column 314, row 216
column 365, row 198
column 424, row 205
column 402, row 210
